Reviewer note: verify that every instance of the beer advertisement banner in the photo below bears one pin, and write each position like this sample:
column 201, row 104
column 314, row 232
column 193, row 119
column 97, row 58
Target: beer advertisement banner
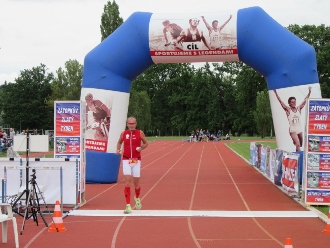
column 317, row 159
column 201, row 37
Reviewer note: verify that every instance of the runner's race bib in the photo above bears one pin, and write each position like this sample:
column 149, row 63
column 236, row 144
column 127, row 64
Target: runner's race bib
column 132, row 162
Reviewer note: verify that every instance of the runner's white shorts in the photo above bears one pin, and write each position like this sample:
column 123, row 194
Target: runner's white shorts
column 130, row 168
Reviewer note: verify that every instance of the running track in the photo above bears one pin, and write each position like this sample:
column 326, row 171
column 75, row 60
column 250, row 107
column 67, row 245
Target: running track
column 193, row 195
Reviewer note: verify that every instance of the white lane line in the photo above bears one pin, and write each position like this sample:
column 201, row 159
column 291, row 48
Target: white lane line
column 197, row 213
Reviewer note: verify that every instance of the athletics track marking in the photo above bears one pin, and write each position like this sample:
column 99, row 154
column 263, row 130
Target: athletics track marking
column 197, row 213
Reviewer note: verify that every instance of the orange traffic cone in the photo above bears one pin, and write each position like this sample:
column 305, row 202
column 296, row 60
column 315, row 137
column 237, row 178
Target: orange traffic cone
column 57, row 224
column 288, row 243
column 327, row 228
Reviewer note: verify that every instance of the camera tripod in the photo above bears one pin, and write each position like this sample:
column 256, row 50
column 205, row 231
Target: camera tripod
column 33, row 204
column 32, row 194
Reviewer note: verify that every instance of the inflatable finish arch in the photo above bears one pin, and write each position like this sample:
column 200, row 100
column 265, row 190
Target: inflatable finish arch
column 284, row 59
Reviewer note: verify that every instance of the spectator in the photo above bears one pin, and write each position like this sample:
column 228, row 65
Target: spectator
column 227, row 137
column 200, row 137
column 11, row 135
column 219, row 134
column 4, row 134
column 207, row 133
column 196, row 135
column 192, row 135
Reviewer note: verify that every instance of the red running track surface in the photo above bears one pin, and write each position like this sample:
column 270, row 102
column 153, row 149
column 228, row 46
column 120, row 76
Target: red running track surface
column 203, row 176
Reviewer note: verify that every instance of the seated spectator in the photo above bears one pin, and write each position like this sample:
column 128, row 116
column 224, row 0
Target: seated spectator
column 227, row 137
column 192, row 136
column 208, row 134
column 200, row 138
column 219, row 134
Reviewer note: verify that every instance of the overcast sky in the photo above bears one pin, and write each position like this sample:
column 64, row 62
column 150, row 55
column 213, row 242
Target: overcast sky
column 52, row 32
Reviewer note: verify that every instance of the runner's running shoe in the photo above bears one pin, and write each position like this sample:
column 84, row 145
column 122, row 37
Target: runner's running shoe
column 138, row 204
column 128, row 209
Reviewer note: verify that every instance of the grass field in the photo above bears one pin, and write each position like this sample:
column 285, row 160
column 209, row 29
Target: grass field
column 243, row 148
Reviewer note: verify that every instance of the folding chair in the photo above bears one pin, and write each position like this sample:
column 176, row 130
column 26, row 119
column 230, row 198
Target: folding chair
column 4, row 218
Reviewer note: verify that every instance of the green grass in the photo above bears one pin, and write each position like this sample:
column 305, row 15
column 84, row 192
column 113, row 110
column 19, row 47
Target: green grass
column 243, row 148
column 155, row 138
column 3, row 154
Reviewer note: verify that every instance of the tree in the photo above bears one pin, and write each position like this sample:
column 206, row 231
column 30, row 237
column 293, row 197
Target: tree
column 249, row 83
column 262, row 114
column 222, row 107
column 67, row 85
column 160, row 82
column 110, row 19
column 139, row 107
column 23, row 102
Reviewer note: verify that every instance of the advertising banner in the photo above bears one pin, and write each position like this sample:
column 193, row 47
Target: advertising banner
column 263, row 160
column 267, row 171
column 278, row 167
column 68, row 141
column 272, row 170
column 67, row 116
column 253, row 154
column 289, row 115
column 317, row 173
column 202, row 37
column 290, row 173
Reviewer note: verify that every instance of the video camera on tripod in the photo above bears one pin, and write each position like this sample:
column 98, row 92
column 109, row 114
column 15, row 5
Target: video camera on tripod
column 34, row 177
column 32, row 196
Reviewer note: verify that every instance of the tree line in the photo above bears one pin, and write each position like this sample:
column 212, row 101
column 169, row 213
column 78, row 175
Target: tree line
column 167, row 99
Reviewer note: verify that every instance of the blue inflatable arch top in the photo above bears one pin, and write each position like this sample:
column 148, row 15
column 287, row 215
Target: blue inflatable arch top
column 263, row 44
